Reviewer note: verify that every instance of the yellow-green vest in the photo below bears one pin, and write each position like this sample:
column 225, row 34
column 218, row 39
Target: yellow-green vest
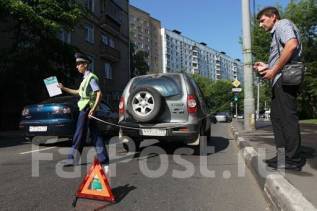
column 85, row 97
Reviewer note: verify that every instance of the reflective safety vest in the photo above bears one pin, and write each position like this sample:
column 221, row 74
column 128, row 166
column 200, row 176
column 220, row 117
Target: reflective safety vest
column 86, row 97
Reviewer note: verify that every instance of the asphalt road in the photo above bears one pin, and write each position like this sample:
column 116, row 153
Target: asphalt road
column 162, row 177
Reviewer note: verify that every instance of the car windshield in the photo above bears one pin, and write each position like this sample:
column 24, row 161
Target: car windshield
column 166, row 85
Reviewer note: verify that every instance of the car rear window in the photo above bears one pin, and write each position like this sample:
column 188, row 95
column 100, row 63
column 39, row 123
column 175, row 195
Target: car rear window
column 167, row 85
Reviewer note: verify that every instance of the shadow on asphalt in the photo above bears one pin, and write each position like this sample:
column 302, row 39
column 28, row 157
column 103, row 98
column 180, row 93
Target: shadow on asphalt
column 121, row 191
column 215, row 145
column 10, row 141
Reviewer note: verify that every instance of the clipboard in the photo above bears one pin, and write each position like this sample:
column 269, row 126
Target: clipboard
column 51, row 86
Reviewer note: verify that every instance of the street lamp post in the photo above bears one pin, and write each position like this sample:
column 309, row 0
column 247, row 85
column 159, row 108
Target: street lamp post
column 249, row 117
column 258, row 99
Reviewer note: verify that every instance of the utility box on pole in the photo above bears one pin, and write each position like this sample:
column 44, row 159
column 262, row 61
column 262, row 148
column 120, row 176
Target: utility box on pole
column 249, row 111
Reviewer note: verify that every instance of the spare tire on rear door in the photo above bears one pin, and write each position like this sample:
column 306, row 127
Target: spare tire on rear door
column 144, row 104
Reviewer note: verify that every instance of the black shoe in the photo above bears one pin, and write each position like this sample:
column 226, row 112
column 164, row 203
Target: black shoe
column 271, row 160
column 287, row 166
column 301, row 161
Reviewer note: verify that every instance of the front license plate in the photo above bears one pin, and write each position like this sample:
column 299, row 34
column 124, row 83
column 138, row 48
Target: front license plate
column 153, row 132
column 38, row 128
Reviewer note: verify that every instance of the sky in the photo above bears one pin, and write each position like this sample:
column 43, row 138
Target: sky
column 218, row 23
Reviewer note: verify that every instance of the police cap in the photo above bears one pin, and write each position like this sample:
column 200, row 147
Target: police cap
column 81, row 58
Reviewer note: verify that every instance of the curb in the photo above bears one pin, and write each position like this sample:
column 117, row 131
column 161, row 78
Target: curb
column 280, row 193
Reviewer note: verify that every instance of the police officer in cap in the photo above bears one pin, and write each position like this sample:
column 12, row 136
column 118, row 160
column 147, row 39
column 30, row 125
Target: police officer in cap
column 90, row 97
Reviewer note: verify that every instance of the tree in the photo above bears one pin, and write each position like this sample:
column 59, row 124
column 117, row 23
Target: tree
column 138, row 64
column 34, row 52
column 304, row 15
column 218, row 94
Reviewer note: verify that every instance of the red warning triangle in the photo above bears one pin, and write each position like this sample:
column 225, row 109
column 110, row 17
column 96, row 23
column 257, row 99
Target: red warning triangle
column 95, row 185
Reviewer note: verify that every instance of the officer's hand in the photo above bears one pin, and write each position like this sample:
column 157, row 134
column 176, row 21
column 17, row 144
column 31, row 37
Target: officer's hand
column 60, row 85
column 91, row 113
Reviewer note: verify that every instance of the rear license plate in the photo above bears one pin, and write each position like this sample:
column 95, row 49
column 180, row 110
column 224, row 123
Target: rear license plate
column 38, row 128
column 153, row 132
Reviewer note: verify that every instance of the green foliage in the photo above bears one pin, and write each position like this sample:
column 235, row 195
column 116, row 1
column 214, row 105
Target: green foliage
column 218, row 94
column 138, row 64
column 304, row 15
column 34, row 51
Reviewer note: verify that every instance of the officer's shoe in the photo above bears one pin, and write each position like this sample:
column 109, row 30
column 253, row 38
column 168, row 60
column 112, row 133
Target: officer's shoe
column 68, row 163
column 271, row 160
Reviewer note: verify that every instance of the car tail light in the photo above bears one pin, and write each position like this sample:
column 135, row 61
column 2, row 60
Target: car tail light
column 121, row 105
column 64, row 110
column 25, row 112
column 191, row 104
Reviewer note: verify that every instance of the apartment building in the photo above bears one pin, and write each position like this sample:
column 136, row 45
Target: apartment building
column 182, row 54
column 104, row 37
column 146, row 36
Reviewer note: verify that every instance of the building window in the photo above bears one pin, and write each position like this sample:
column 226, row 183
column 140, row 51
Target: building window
column 89, row 33
column 91, row 66
column 90, row 5
column 107, row 71
column 64, row 36
column 105, row 40
column 111, row 43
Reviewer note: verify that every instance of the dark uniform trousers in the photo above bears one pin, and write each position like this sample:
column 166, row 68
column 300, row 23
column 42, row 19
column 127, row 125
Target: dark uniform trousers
column 285, row 119
column 79, row 138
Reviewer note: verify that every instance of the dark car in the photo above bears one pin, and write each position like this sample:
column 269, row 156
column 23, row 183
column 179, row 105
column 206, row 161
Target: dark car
column 55, row 119
column 165, row 106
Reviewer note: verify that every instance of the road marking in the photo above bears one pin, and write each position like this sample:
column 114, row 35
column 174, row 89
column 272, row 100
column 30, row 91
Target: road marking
column 22, row 153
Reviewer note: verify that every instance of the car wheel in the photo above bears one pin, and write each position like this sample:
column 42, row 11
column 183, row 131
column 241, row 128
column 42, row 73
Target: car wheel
column 144, row 104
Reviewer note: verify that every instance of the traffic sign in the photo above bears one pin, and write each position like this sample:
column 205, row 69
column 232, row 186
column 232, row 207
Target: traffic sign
column 236, row 89
column 95, row 185
column 236, row 98
column 236, row 83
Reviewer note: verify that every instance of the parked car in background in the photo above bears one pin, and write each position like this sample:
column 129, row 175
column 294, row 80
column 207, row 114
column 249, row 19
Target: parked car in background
column 223, row 117
column 165, row 106
column 54, row 120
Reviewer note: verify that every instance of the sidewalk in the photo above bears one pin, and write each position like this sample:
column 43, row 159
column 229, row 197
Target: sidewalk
column 289, row 190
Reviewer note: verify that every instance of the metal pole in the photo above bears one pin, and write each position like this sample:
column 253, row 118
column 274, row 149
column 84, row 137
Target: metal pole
column 236, row 110
column 258, row 101
column 249, row 117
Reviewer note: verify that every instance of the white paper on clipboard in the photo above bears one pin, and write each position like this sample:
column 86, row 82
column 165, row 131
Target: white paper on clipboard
column 51, row 86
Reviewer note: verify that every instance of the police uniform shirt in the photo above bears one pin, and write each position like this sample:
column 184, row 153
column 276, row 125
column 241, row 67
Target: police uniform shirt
column 93, row 83
column 282, row 31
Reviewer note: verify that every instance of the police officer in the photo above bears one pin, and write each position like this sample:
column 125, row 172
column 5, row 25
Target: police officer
column 90, row 97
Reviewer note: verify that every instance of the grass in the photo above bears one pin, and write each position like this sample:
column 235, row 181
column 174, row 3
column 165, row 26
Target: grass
column 309, row 121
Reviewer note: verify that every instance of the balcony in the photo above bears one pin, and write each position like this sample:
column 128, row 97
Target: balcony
column 111, row 15
column 106, row 20
column 109, row 53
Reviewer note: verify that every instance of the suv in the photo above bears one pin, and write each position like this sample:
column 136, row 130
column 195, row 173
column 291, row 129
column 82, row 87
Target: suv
column 165, row 106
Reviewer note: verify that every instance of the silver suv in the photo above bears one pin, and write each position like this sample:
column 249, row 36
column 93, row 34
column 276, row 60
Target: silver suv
column 165, row 106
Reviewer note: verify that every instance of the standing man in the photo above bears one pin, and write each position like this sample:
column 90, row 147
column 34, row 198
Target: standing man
column 285, row 48
column 90, row 97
